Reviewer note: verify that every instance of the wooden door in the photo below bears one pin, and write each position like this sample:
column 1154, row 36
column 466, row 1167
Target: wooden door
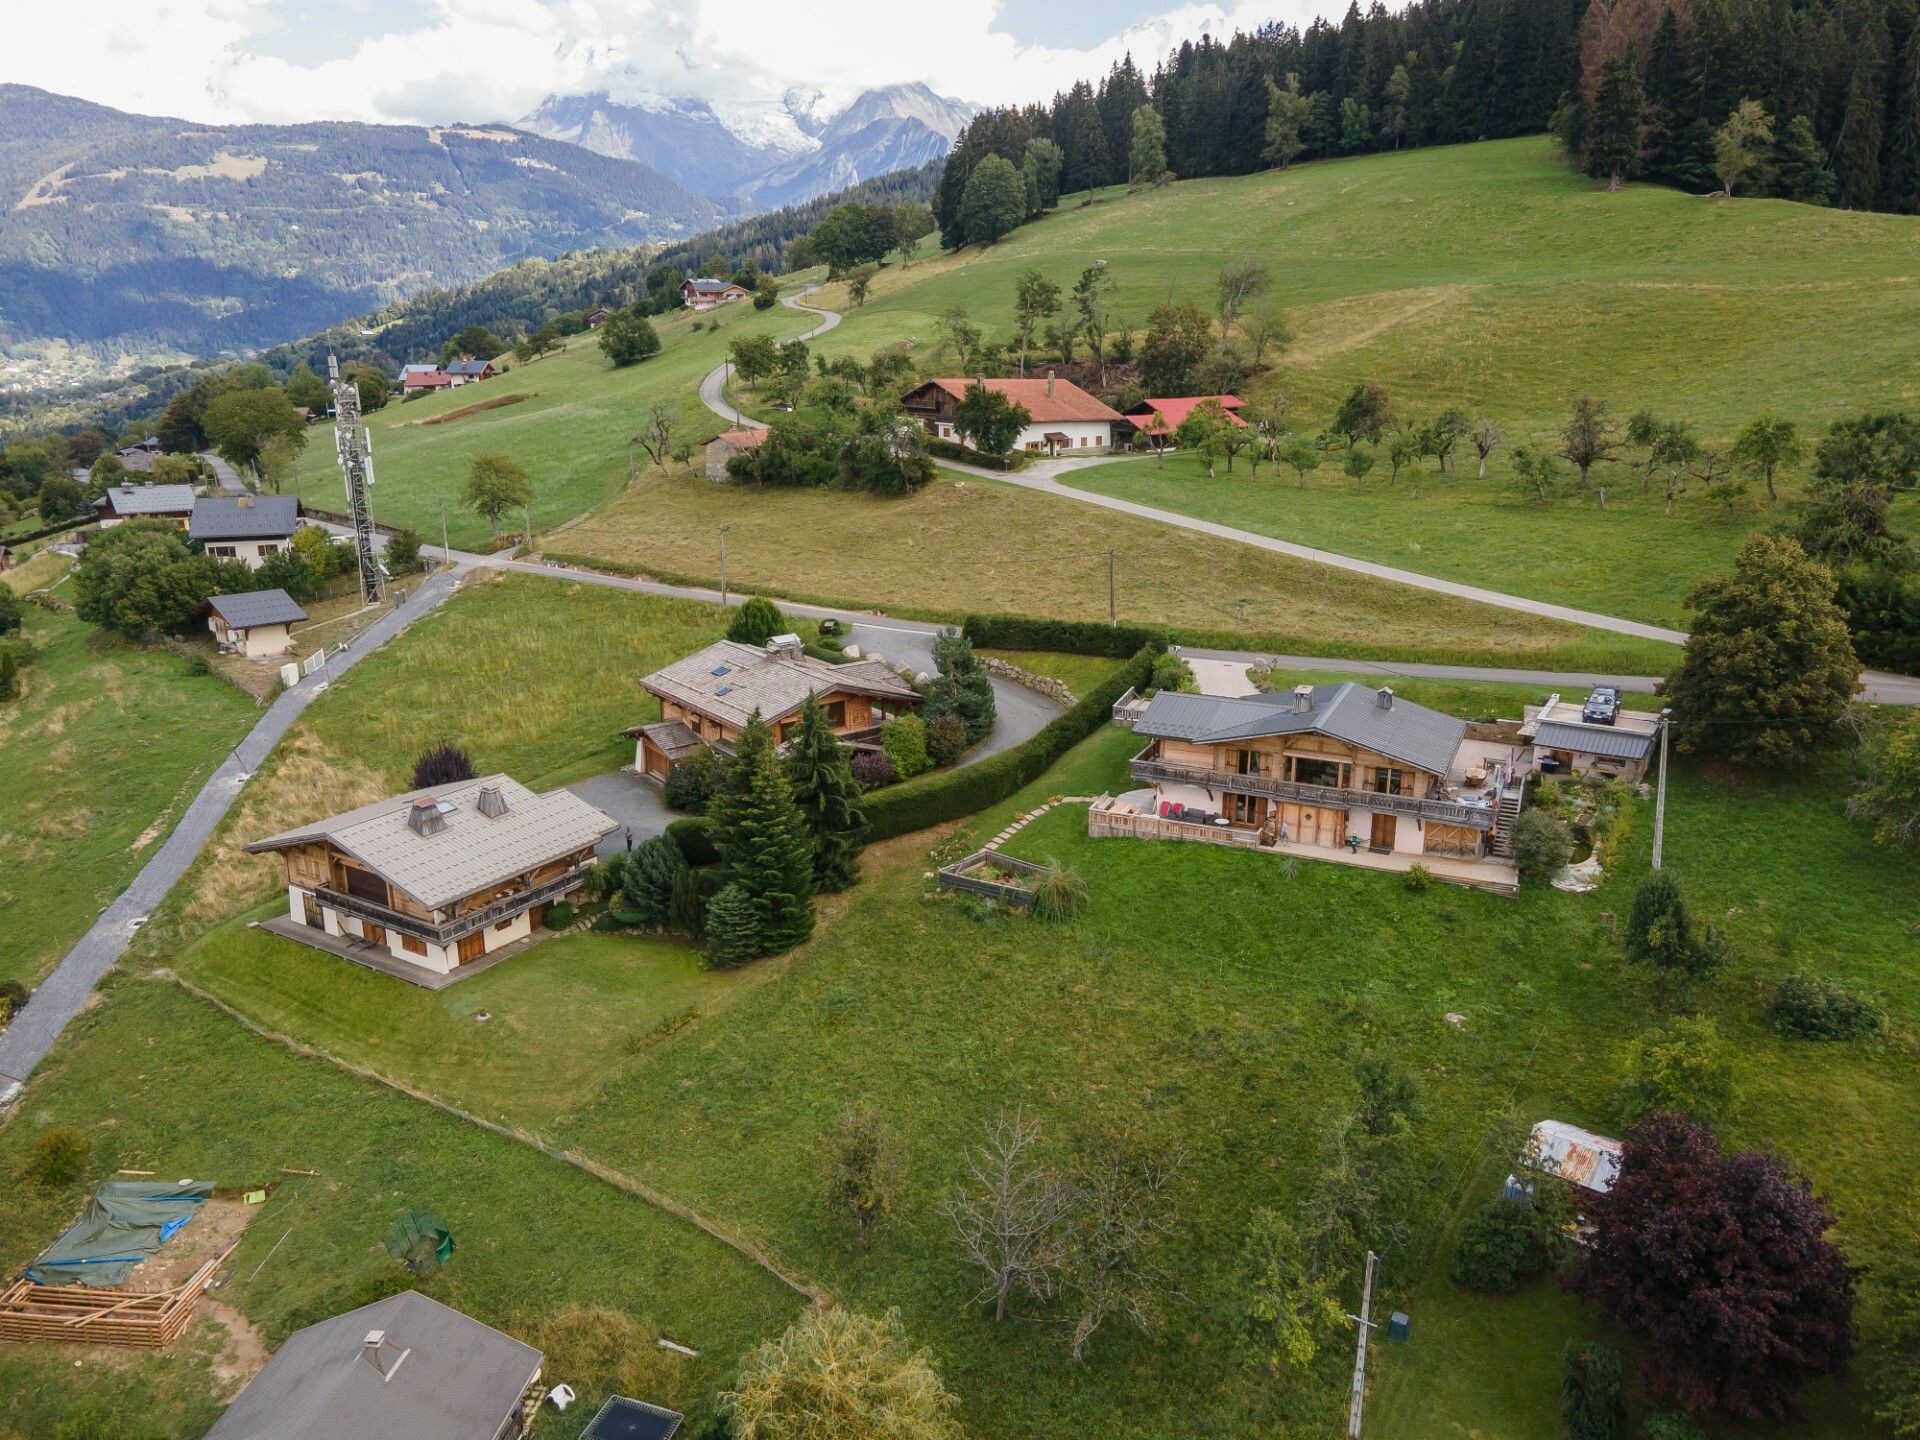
column 473, row 946
column 1384, row 827
column 373, row 934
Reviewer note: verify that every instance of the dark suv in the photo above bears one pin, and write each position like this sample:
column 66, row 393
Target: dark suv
column 1602, row 707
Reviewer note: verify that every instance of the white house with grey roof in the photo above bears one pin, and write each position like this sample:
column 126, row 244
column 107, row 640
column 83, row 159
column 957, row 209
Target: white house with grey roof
column 403, row 1368
column 254, row 623
column 433, row 880
column 171, row 503
column 247, row 528
column 707, row 698
column 1335, row 770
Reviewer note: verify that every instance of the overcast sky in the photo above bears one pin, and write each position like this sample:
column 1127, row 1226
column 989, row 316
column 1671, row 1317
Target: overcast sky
column 439, row 60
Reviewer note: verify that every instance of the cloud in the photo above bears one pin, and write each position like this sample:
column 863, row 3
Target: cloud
column 206, row 60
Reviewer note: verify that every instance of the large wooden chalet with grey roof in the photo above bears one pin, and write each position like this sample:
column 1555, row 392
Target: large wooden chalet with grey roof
column 707, row 698
column 1329, row 771
column 427, row 882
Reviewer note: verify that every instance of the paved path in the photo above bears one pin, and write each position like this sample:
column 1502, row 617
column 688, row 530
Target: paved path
column 713, row 387
column 27, row 1040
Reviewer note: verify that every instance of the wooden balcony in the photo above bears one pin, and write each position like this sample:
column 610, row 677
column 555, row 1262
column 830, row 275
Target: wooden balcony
column 1445, row 812
column 459, row 926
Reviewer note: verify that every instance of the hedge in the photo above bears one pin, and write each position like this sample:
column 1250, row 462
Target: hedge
column 967, row 455
column 1065, row 637
column 27, row 537
column 695, row 838
column 951, row 794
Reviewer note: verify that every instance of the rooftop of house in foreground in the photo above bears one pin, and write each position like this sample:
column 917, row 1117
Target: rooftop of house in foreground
column 729, row 680
column 1374, row 720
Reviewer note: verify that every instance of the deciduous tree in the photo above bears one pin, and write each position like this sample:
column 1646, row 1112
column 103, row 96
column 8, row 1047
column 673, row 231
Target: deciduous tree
column 1147, row 156
column 989, row 420
column 1889, row 795
column 1008, row 1213
column 1239, row 281
column 628, row 337
column 1288, row 112
column 1740, row 146
column 1589, row 437
column 1179, row 335
column 1661, row 935
column 993, row 203
column 1366, row 413
column 496, row 484
column 1122, row 1215
column 839, row 1375
column 860, row 1178
column 1284, row 1313
column 1035, row 298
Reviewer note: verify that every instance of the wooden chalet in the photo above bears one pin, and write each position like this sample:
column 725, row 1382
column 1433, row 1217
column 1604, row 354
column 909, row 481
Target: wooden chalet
column 1063, row 417
column 704, row 294
column 436, row 879
column 707, row 698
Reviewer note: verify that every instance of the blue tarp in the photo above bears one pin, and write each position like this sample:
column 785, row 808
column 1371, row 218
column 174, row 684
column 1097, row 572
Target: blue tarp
column 124, row 1223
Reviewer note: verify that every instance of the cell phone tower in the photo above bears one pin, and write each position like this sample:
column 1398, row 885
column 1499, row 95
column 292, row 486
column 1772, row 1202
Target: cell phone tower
column 355, row 448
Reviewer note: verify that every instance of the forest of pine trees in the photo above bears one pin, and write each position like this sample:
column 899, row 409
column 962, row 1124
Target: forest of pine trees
column 1637, row 88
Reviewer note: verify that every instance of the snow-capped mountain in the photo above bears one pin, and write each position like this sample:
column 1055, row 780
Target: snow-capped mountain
column 761, row 154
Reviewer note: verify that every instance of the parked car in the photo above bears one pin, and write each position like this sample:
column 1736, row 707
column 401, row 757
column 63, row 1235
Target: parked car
column 1602, row 707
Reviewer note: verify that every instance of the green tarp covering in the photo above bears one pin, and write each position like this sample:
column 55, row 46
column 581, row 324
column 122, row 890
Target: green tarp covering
column 124, row 1223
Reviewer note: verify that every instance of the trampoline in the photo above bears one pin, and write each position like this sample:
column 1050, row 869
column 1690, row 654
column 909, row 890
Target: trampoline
column 624, row 1419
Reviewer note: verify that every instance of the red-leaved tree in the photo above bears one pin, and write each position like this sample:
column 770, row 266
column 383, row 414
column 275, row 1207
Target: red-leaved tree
column 1722, row 1263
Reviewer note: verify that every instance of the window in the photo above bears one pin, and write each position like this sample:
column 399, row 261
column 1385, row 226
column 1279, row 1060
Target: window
column 413, row 946
column 1247, row 762
column 223, row 552
column 1308, row 770
column 1389, row 782
column 1083, row 442
column 506, row 924
column 837, row 714
column 1245, row 809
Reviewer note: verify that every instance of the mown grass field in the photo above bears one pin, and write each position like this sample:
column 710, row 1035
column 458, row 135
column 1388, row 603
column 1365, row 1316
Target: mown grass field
column 570, row 436
column 98, row 758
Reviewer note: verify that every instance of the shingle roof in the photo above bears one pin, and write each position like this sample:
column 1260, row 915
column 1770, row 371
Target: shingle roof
column 729, row 681
column 247, row 517
column 472, row 852
column 460, row 1379
column 1068, row 401
column 674, row 738
column 743, row 439
column 1601, row 740
column 426, row 380
column 1346, row 711
column 256, row 607
column 147, row 499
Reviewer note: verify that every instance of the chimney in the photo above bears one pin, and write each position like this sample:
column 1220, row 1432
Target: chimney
column 1302, row 699
column 492, row 803
column 246, row 502
column 424, row 817
column 786, row 645
column 1385, row 698
column 383, row 1358
column 1050, row 382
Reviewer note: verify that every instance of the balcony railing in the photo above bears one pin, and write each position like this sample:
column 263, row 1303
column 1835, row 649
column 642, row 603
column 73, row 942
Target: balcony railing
column 461, row 925
column 1446, row 812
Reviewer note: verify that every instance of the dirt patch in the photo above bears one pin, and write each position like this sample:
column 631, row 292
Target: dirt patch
column 496, row 403
column 215, row 1226
column 244, row 1353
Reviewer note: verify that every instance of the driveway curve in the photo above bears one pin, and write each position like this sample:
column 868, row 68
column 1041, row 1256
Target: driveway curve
column 713, row 385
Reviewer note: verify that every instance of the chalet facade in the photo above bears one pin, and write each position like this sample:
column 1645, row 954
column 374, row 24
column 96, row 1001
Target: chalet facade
column 467, row 371
column 1330, row 770
column 1160, row 419
column 704, row 294
column 256, row 623
column 247, row 528
column 437, row 878
column 707, row 698
column 1064, row 418
column 172, row 504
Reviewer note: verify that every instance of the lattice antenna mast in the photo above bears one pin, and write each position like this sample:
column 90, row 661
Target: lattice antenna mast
column 355, row 448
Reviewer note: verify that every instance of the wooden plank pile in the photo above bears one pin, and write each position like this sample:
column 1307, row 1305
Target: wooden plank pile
column 80, row 1315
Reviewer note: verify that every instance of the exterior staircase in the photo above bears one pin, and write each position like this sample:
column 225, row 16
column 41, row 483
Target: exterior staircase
column 1505, row 816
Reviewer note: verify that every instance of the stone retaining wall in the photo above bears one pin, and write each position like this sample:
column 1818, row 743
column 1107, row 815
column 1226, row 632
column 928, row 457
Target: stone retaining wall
column 1055, row 690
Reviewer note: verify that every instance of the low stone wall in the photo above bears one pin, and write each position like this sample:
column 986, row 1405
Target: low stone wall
column 1055, row 690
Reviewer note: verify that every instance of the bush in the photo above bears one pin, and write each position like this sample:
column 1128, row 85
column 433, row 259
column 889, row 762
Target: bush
column 1683, row 1067
column 757, row 621
column 687, row 906
column 199, row 662
column 10, row 617
column 60, row 1156
column 1670, row 1425
column 689, row 785
column 1497, row 1249
column 873, row 769
column 1059, row 893
column 1542, row 845
column 695, row 838
column 1816, row 1010
column 13, row 999
column 946, row 738
column 1066, row 637
column 1170, row 672
column 733, row 929
column 967, row 455
column 904, row 738
column 403, row 552
column 561, row 916
column 1418, row 878
column 442, row 764
column 1590, row 1403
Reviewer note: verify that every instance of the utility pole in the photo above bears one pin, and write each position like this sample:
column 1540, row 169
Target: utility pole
column 1660, row 796
column 1113, row 608
column 723, row 565
column 446, row 548
column 1365, row 1318
column 526, row 527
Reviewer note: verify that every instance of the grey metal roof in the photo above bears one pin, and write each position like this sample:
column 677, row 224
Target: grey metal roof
column 1408, row 732
column 460, row 1379
column 244, row 517
column 256, row 607
column 1602, row 740
column 469, row 367
column 729, row 681
column 705, row 286
column 471, row 852
column 147, row 499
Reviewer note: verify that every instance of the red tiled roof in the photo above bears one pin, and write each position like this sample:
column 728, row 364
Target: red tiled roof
column 1173, row 412
column 426, row 380
column 745, row 439
column 1067, row 403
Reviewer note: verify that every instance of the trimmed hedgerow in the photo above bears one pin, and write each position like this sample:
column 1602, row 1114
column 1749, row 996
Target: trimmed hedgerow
column 1066, row 637
column 694, row 836
column 950, row 794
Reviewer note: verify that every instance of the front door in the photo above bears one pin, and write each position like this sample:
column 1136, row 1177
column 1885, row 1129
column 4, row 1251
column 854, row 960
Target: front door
column 1384, row 827
column 473, row 946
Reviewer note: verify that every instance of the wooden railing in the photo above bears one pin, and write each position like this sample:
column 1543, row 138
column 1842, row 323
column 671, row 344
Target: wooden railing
column 1447, row 812
column 955, row 877
column 459, row 926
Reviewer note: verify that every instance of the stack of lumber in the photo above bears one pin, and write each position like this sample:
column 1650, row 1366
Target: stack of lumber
column 81, row 1315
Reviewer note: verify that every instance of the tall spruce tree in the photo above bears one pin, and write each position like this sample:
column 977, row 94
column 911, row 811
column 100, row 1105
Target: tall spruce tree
column 1800, row 168
column 1614, row 131
column 1856, row 155
column 765, row 847
column 828, row 798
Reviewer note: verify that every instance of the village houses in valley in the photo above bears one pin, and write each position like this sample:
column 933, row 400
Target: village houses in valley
column 427, row 882
column 707, row 698
column 1063, row 417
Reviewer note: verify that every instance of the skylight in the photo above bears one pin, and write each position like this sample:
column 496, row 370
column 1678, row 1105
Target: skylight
column 724, row 690
column 721, row 669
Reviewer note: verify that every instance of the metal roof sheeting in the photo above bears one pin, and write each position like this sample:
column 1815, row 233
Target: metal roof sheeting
column 249, row 517
column 776, row 684
column 1579, row 1156
column 147, row 499
column 1408, row 732
column 1601, row 740
column 256, row 607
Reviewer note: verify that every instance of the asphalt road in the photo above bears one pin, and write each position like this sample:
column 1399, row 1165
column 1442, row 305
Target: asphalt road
column 713, row 386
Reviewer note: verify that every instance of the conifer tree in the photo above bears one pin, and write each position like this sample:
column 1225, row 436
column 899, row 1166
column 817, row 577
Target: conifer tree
column 1614, row 135
column 1800, row 168
column 733, row 928
column 1856, row 155
column 764, row 845
column 828, row 798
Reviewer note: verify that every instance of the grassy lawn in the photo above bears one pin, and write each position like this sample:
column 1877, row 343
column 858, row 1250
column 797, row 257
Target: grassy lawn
column 562, row 1019
column 205, row 1098
column 1080, row 673
column 571, row 435
column 101, row 754
column 961, row 545
column 36, row 572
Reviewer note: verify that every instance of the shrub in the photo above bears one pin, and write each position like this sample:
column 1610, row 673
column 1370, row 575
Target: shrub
column 10, row 619
column 561, row 916
column 1418, row 878
column 13, row 999
column 403, row 552
column 442, row 764
column 757, row 621
column 1541, row 845
column 9, row 675
column 946, row 738
column 1817, row 1010
column 1497, row 1248
column 695, row 838
column 1170, row 672
column 1590, row 1403
column 690, row 783
column 687, row 906
column 1670, row 1425
column 967, row 455
column 60, row 1156
column 1683, row 1066
column 873, row 769
column 199, row 662
column 904, row 738
column 733, row 928
column 1059, row 893
column 605, row 1351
